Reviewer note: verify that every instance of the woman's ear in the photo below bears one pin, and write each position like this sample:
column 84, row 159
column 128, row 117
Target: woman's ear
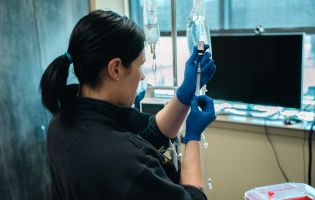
column 114, row 69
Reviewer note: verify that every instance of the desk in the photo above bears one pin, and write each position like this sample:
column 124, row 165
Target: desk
column 239, row 156
column 260, row 125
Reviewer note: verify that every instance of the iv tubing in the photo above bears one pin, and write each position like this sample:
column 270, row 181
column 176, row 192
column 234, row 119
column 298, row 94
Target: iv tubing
column 197, row 93
column 174, row 41
column 204, row 142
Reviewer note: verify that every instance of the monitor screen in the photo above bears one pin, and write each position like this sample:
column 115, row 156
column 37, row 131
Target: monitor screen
column 263, row 70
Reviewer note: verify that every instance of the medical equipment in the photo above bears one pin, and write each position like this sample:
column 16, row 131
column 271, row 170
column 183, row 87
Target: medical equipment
column 201, row 50
column 198, row 34
column 283, row 191
column 151, row 27
column 204, row 142
column 156, row 97
column 197, row 27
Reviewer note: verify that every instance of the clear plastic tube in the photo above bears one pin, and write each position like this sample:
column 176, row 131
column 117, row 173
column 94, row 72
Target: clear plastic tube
column 151, row 27
column 197, row 27
column 198, row 31
column 197, row 92
column 207, row 182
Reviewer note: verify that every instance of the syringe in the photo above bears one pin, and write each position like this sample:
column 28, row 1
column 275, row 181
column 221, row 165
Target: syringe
column 204, row 143
column 201, row 50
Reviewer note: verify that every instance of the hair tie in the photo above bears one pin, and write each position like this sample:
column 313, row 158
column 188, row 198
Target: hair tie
column 68, row 56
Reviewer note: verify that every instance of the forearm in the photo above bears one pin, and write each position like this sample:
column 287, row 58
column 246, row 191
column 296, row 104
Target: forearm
column 171, row 117
column 191, row 166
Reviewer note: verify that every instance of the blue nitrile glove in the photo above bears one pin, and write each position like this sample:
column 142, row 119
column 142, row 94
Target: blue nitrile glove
column 186, row 90
column 198, row 120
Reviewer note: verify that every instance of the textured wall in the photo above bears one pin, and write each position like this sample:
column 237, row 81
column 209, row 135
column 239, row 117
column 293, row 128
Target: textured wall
column 32, row 33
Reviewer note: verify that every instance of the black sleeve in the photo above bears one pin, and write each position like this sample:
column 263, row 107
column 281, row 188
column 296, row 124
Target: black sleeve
column 152, row 183
column 195, row 192
column 145, row 125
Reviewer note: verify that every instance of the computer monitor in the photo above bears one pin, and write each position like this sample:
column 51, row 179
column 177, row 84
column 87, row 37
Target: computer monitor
column 258, row 69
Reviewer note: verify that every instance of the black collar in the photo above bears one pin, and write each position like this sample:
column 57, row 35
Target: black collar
column 89, row 109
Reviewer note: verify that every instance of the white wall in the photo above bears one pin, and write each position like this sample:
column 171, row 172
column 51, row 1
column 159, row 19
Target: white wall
column 119, row 6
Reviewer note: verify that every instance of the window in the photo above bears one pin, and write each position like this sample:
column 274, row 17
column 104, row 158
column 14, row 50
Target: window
column 230, row 16
column 271, row 14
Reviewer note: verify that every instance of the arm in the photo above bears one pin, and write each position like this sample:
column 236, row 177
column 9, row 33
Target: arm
column 146, row 126
column 170, row 118
column 196, row 122
column 191, row 165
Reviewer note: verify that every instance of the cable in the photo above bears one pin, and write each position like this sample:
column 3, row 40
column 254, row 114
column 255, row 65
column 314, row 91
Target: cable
column 310, row 155
column 306, row 107
column 275, row 153
column 304, row 159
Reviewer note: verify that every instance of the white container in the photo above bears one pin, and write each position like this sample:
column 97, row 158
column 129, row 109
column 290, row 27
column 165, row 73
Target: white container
column 284, row 191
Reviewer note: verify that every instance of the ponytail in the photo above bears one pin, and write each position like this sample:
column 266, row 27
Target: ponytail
column 95, row 40
column 53, row 83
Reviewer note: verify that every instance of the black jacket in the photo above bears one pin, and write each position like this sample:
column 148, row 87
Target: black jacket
column 98, row 150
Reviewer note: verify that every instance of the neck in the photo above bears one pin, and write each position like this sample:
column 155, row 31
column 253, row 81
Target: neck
column 94, row 93
column 97, row 93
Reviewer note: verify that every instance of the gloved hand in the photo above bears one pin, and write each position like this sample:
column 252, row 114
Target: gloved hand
column 198, row 120
column 186, row 90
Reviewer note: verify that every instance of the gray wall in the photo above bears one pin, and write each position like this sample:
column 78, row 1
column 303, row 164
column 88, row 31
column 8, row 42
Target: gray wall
column 32, row 34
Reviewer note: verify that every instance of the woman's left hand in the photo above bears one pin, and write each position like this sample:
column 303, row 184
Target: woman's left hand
column 186, row 90
column 198, row 120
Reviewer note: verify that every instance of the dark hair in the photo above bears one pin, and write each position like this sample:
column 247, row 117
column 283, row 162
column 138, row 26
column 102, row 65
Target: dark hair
column 96, row 39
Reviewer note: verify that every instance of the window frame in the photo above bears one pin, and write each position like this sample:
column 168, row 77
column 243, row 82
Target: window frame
column 224, row 22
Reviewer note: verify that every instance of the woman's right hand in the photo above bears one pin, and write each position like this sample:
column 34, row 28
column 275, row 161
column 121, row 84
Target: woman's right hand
column 186, row 90
column 198, row 120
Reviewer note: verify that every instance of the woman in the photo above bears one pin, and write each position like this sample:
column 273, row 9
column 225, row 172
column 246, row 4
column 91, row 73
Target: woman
column 98, row 146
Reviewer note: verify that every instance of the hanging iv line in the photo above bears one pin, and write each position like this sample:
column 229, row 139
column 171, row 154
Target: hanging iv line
column 151, row 27
column 198, row 34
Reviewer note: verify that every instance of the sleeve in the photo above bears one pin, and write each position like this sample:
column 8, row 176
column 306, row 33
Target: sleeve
column 152, row 183
column 145, row 125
